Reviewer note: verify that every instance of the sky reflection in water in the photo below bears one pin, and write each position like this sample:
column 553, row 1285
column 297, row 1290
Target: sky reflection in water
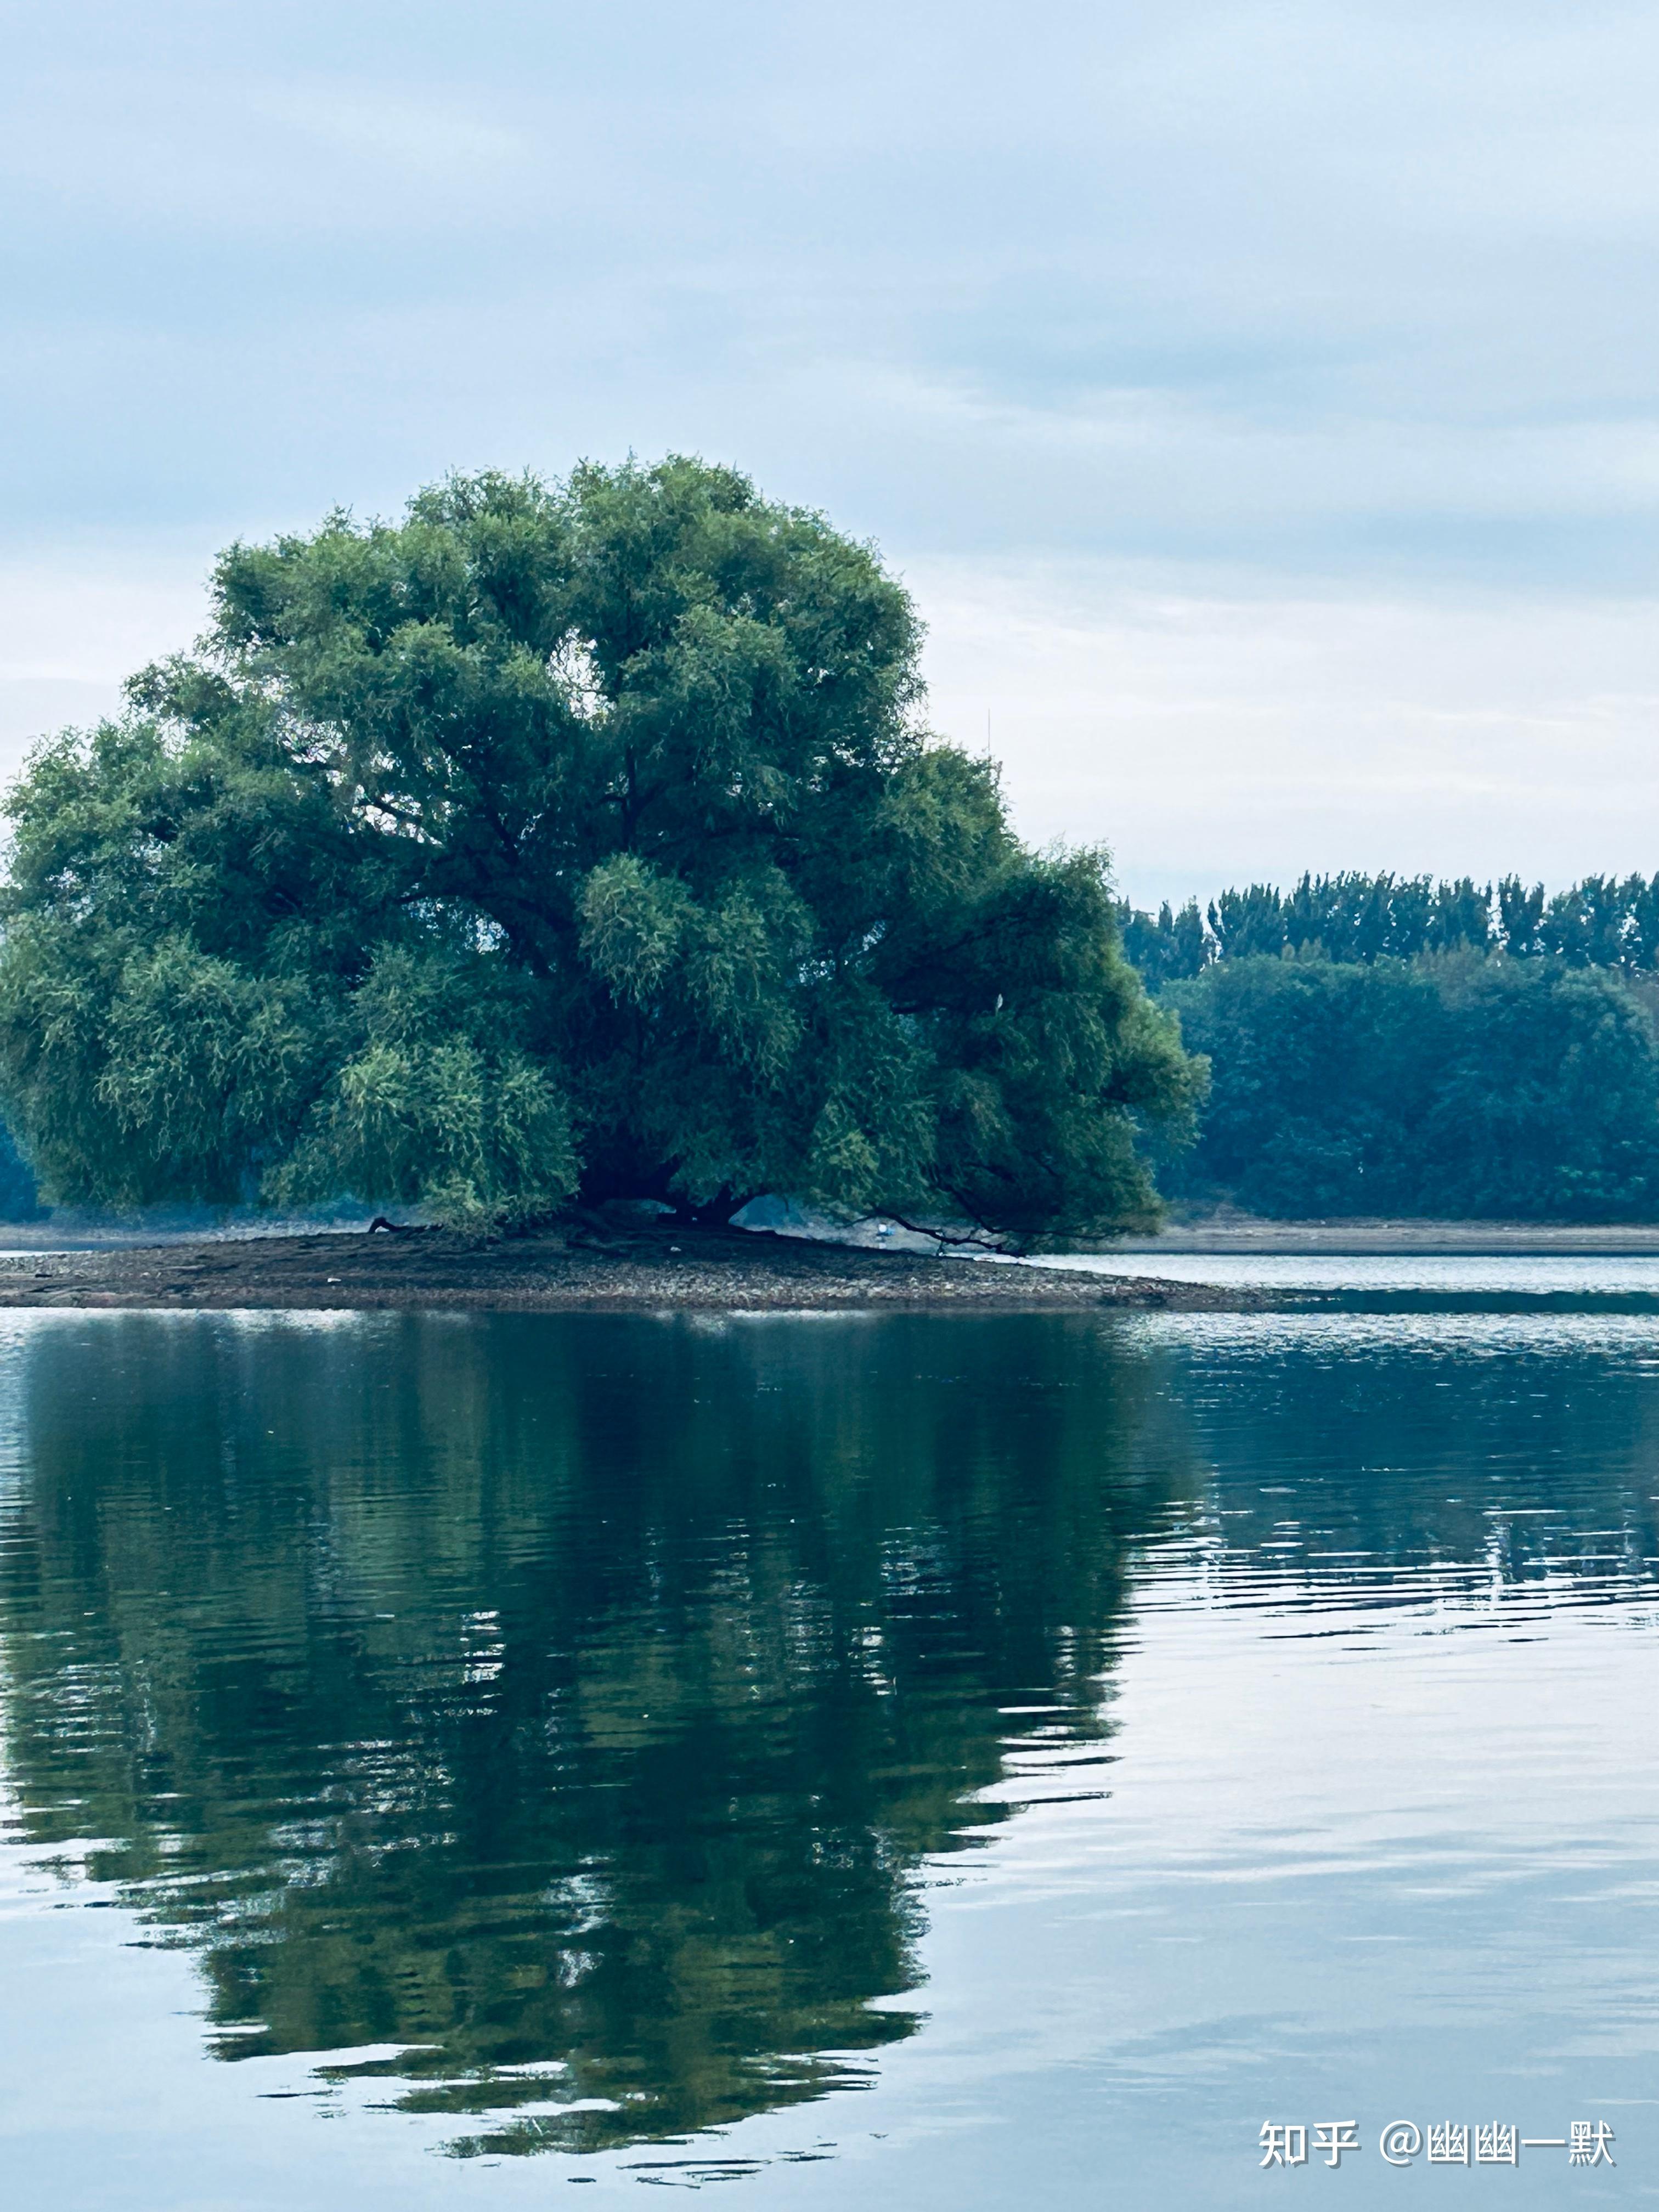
column 920, row 1759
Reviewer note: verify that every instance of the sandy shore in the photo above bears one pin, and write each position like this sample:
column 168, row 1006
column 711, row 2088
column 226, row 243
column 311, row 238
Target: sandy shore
column 1369, row 1240
column 639, row 1270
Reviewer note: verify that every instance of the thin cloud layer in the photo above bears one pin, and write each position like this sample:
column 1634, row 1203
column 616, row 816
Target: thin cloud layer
column 1289, row 305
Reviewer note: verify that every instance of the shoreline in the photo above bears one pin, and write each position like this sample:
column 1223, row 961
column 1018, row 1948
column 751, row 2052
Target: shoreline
column 632, row 1270
column 1249, row 1236
column 662, row 1267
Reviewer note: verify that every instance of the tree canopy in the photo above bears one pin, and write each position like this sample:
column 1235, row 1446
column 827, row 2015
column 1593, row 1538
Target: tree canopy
column 560, row 841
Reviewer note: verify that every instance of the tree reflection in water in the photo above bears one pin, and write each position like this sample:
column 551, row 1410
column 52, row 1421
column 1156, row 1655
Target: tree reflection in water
column 565, row 1703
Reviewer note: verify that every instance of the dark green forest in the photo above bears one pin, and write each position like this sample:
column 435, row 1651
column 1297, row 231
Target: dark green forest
column 1390, row 1045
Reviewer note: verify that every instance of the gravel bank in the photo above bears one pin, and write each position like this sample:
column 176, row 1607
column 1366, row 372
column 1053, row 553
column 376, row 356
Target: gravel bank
column 637, row 1270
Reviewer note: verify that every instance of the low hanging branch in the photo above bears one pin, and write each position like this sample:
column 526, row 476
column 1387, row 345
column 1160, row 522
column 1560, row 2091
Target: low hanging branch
column 976, row 1239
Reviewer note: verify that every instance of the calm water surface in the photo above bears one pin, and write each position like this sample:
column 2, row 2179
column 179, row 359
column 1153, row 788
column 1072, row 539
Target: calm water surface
column 918, row 1762
column 1557, row 1277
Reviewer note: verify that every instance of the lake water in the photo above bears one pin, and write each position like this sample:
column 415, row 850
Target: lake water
column 1542, row 1280
column 930, row 1763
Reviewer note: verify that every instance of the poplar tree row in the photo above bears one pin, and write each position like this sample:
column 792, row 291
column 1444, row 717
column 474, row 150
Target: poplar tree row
column 1603, row 921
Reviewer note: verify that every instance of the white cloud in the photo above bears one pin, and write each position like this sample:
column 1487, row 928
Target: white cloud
column 1261, row 395
column 1209, row 727
column 1211, row 732
column 73, row 626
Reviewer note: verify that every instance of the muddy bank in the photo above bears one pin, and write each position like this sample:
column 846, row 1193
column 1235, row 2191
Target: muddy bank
column 643, row 1269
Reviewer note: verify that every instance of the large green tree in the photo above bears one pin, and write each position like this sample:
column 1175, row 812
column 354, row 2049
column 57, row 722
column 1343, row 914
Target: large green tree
column 559, row 841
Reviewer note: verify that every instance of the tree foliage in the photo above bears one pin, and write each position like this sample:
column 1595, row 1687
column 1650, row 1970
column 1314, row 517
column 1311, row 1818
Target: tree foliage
column 1453, row 1084
column 558, row 841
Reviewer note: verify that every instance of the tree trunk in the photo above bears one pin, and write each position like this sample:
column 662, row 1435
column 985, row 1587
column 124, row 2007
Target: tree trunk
column 715, row 1213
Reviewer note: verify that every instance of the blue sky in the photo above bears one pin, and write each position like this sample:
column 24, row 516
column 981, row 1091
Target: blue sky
column 1263, row 402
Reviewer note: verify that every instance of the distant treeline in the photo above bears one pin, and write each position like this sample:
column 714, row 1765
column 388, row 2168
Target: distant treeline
column 1602, row 922
column 1449, row 1085
column 1396, row 1045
